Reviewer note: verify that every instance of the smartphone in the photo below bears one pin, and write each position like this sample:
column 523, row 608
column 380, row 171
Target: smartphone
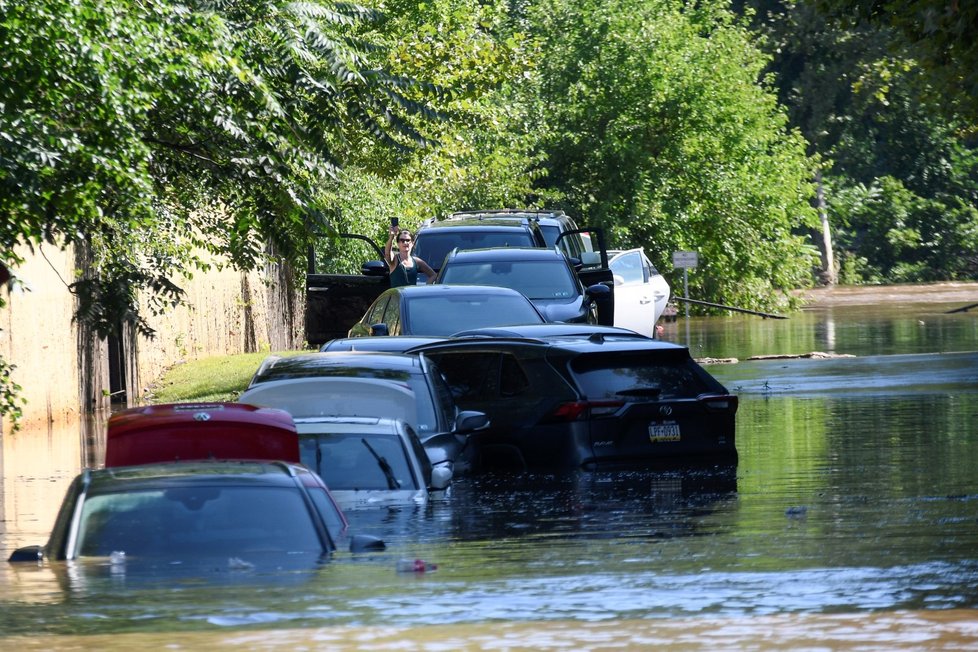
column 393, row 221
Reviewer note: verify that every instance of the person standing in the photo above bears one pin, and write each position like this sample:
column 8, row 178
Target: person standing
column 403, row 266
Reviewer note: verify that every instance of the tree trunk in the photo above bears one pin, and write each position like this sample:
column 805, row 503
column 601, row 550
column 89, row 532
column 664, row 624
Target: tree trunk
column 828, row 275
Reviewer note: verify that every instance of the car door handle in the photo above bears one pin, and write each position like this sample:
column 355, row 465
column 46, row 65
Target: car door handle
column 644, row 300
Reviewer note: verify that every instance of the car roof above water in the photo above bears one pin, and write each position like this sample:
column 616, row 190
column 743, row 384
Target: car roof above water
column 363, row 364
column 504, row 254
column 241, row 471
column 197, row 431
column 390, row 344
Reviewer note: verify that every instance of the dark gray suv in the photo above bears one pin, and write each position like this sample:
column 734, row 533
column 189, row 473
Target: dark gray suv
column 584, row 396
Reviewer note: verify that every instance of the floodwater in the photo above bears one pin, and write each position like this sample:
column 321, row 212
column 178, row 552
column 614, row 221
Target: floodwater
column 849, row 522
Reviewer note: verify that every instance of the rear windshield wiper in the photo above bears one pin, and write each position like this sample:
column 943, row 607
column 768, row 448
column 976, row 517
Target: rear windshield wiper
column 651, row 392
column 392, row 481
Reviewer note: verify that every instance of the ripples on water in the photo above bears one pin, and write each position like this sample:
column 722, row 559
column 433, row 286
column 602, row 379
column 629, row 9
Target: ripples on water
column 850, row 522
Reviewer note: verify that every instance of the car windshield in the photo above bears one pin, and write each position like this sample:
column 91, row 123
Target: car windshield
column 358, row 461
column 444, row 315
column 197, row 521
column 663, row 374
column 536, row 279
column 433, row 245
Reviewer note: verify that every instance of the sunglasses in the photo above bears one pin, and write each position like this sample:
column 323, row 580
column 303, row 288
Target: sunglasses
column 404, row 240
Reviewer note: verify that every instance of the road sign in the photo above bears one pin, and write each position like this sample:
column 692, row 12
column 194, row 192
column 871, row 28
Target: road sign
column 684, row 259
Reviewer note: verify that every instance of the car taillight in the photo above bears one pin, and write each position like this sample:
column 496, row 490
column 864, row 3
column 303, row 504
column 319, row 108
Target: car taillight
column 720, row 403
column 579, row 410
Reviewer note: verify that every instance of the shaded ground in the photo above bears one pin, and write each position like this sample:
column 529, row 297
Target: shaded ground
column 948, row 292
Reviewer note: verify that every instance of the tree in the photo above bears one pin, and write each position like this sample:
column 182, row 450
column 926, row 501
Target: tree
column 938, row 35
column 142, row 132
column 658, row 125
column 484, row 156
column 899, row 174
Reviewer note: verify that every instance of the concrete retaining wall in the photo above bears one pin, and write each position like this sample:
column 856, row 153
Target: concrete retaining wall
column 65, row 371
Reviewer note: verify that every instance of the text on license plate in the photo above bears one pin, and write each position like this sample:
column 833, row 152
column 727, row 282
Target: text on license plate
column 663, row 432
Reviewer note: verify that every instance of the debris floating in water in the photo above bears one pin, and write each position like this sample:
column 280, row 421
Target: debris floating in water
column 415, row 566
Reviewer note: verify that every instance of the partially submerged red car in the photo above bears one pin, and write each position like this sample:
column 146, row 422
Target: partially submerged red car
column 200, row 431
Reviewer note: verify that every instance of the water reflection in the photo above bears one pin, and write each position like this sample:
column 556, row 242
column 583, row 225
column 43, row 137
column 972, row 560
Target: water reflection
column 856, row 330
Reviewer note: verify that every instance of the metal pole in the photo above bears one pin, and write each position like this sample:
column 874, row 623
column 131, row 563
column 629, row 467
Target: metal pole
column 686, row 295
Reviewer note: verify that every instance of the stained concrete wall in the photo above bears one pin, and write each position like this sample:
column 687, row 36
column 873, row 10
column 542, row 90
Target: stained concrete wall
column 64, row 370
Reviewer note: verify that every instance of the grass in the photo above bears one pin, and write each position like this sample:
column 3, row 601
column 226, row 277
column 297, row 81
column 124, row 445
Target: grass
column 220, row 378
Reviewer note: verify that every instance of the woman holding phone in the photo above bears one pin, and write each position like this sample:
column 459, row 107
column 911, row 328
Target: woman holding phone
column 403, row 266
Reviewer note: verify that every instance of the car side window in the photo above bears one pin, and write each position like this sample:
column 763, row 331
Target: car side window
column 650, row 269
column 628, row 267
column 444, row 403
column 512, row 379
column 376, row 314
column 469, row 375
column 484, row 375
column 392, row 316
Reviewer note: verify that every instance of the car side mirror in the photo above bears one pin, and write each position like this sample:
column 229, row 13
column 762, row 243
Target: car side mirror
column 379, row 329
column 374, row 268
column 470, row 420
column 598, row 291
column 619, row 280
column 366, row 543
column 27, row 553
column 441, row 476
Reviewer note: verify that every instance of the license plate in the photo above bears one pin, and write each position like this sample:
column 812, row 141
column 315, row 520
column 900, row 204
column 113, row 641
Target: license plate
column 659, row 432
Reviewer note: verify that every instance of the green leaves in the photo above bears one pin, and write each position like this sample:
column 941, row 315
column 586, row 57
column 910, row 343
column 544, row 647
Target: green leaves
column 658, row 128
column 119, row 115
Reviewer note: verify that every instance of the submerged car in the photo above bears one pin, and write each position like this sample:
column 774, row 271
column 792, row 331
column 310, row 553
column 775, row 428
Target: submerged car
column 583, row 396
column 544, row 276
column 199, row 431
column 242, row 513
column 368, row 384
column 440, row 310
column 370, row 461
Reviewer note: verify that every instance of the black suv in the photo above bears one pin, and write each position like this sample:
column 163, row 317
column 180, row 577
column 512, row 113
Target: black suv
column 434, row 239
column 583, row 396
column 552, row 223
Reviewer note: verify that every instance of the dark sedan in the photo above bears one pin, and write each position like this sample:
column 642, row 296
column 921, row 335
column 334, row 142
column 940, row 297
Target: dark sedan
column 544, row 276
column 581, row 396
column 223, row 514
column 444, row 309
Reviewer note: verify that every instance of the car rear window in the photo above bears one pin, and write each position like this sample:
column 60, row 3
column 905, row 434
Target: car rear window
column 432, row 246
column 536, row 279
column 195, row 521
column 358, row 461
column 444, row 315
column 639, row 374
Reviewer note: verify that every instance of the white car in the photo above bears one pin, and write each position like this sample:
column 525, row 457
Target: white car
column 641, row 293
column 369, row 461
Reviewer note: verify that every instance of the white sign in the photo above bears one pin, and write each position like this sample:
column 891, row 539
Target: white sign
column 684, row 259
